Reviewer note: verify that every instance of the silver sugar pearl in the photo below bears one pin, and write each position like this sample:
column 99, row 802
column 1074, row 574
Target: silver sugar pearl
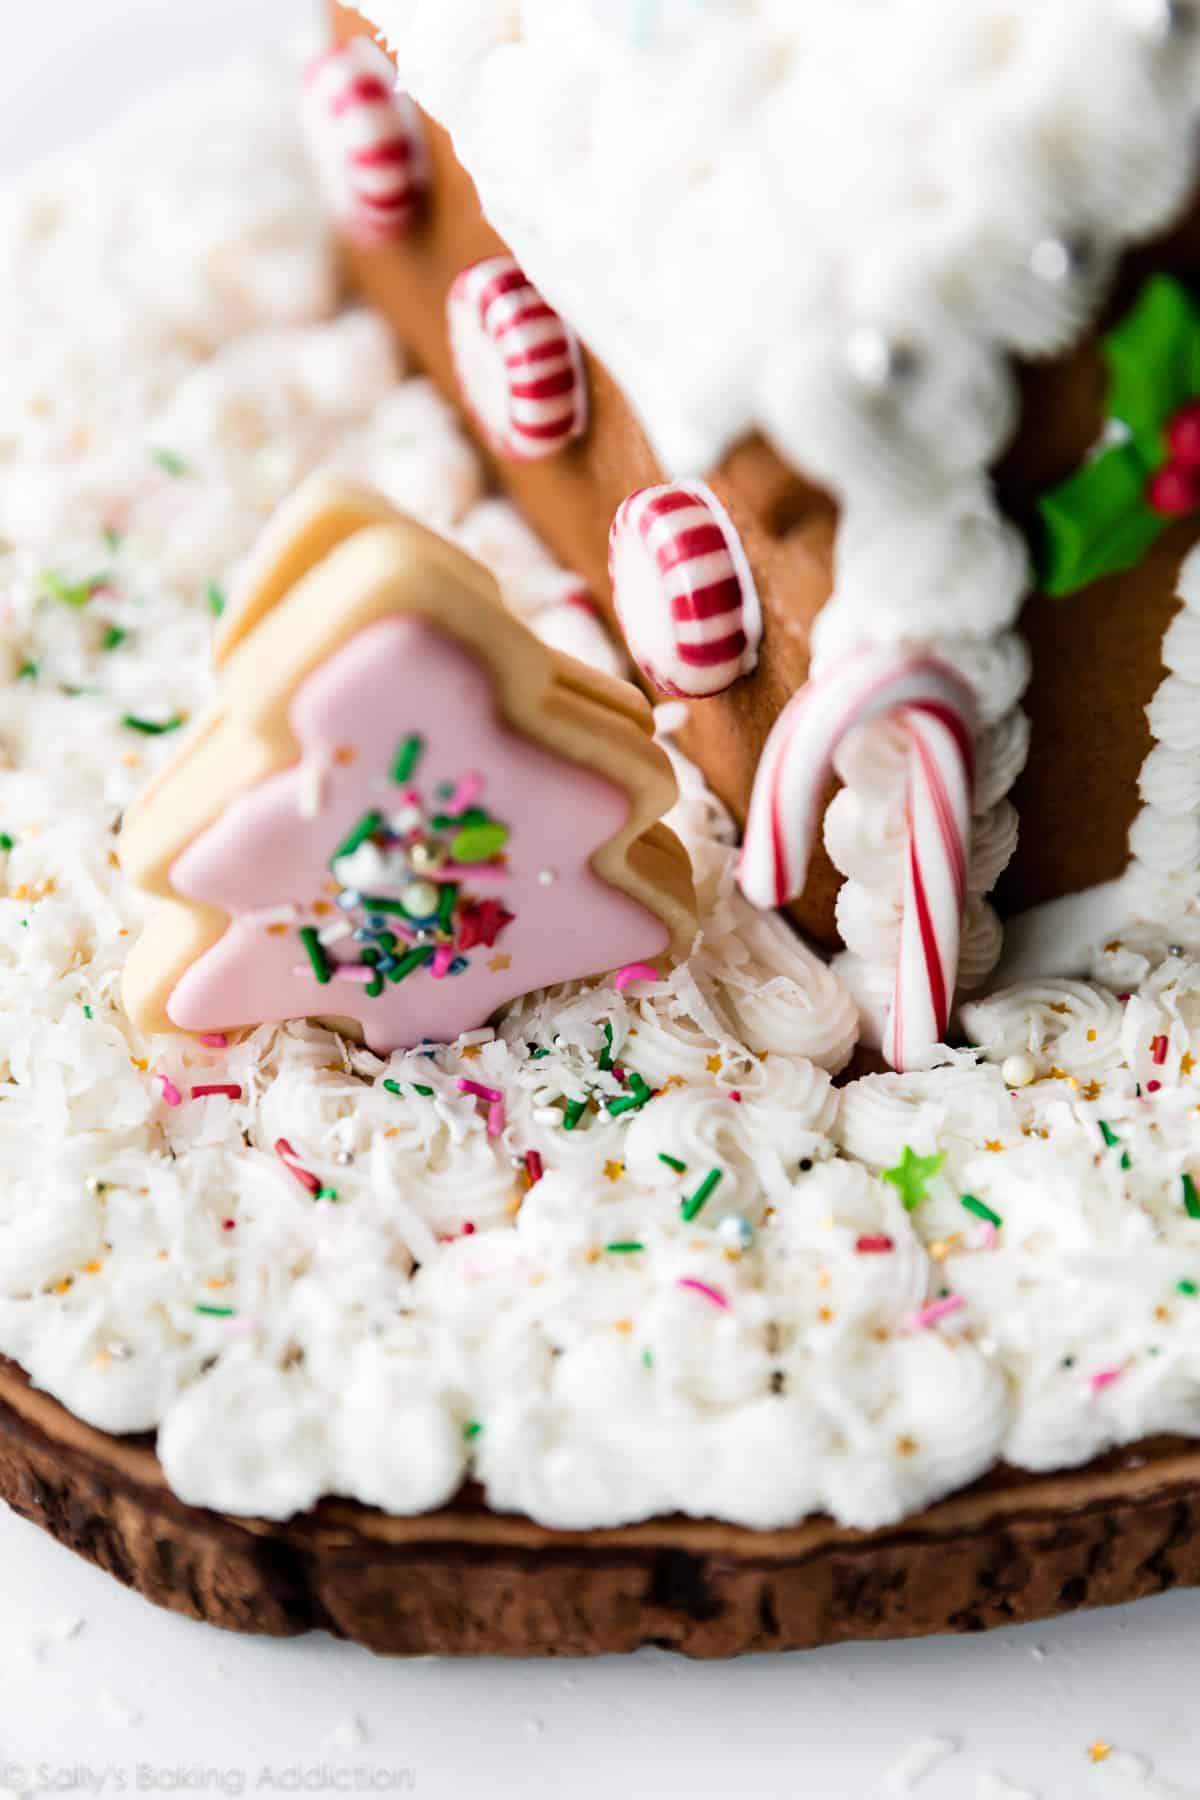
column 876, row 361
column 94, row 1185
column 547, row 877
column 343, row 1158
column 1055, row 260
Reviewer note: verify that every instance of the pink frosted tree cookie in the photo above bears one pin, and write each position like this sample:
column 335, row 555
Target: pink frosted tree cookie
column 401, row 810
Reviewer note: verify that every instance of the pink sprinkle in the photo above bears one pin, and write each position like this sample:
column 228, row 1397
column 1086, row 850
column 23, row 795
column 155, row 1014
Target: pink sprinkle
column 496, row 1119
column 466, row 793
column 1104, row 1379
column 1159, row 1050
column 463, row 871
column 937, row 1309
column 214, row 1040
column 228, row 1088
column 702, row 1287
column 987, row 1235
column 736, row 1094
column 1152, row 1087
column 170, row 1092
column 634, row 972
column 493, row 1095
column 443, row 956
column 290, row 1161
column 533, row 1167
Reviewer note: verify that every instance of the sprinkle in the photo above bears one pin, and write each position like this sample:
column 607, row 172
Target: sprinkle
column 1099, row 1751
column 6, row 842
column 1152, row 1087
column 113, row 539
column 912, row 1175
column 443, row 957
column 422, row 953
column 170, row 1092
column 614, row 1170
column 634, row 972
column 1104, row 1379
column 87, row 1012
column 873, row 1243
column 624, row 1249
column 691, row 1207
column 69, row 593
column 937, row 1309
column 495, row 1118
column 606, row 1061
column 735, row 1094
column 1191, row 1200
column 1111, row 1139
column 288, row 1158
column 672, row 1162
column 480, row 1092
column 214, row 1040
column 533, row 1167
column 1158, row 1049
column 316, row 955
column 214, row 593
column 215, row 1312
column 472, row 1429
column 326, row 1193
column 170, row 463
column 574, row 1112
column 228, row 1090
column 466, row 793
column 367, row 826
column 981, row 1210
column 406, row 759
column 28, row 670
column 702, row 1287
column 113, row 638
column 1186, row 1287
column 152, row 727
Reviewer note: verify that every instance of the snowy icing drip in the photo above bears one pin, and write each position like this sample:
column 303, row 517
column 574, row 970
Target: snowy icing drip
column 974, row 208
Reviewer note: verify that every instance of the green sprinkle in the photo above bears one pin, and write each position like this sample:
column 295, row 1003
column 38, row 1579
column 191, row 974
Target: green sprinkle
column 170, row 463
column 407, row 758
column 113, row 539
column 447, row 897
column 672, row 1162
column 214, row 593
column 624, row 1249
column 367, row 826
column 479, row 843
column 912, row 1175
column 537, row 1055
column 416, row 957
column 606, row 1060
column 474, row 815
column 113, row 638
column 216, row 1312
column 152, row 727
column 392, row 909
column 573, row 1114
column 1191, row 1200
column 6, row 842
column 326, row 1193
column 699, row 1199
column 622, row 1104
column 1110, row 1137
column 71, row 593
column 640, row 1088
column 1186, row 1287
column 981, row 1210
column 28, row 670
column 87, row 1012
column 393, row 1087
column 647, row 1359
column 315, row 951
column 472, row 1429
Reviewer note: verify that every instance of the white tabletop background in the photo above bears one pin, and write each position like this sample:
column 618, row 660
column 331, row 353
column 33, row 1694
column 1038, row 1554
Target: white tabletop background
column 138, row 1701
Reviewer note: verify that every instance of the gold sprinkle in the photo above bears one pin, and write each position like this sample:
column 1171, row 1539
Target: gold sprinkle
column 64, row 1286
column 1092, row 1091
column 1057, row 1074
column 992, row 1144
column 824, row 1279
column 1072, row 1081
column 1099, row 1751
column 515, row 1203
column 139, row 1062
column 392, row 1131
column 591, row 1256
column 625, row 1325
column 470, row 1052
column 1060, row 1006
column 1163, row 1314
column 321, row 908
column 499, row 962
column 276, row 930
column 713, row 1065
column 102, row 1361
column 825, row 1314
column 733, row 1256
column 1112, row 948
column 907, row 1446
column 345, row 754
column 131, row 759
column 672, row 1081
column 1187, row 1063
column 1091, row 1036
column 20, row 892
column 614, row 1170
column 92, row 1268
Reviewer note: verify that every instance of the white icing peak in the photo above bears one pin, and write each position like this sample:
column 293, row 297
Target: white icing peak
column 159, row 1270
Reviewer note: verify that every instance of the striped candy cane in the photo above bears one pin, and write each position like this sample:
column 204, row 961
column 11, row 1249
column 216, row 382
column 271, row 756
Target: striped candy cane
column 519, row 366
column 367, row 139
column 938, row 711
column 683, row 590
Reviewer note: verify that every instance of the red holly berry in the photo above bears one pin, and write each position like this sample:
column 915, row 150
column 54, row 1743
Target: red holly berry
column 1174, row 491
column 1183, row 436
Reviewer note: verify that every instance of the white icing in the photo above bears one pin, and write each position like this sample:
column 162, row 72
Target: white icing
column 366, row 1335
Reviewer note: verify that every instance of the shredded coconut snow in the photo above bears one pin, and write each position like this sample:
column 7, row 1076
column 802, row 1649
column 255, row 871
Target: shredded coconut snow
column 590, row 1346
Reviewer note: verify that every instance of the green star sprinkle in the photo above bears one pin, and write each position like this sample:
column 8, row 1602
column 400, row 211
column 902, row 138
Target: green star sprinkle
column 912, row 1175
column 170, row 463
column 214, row 593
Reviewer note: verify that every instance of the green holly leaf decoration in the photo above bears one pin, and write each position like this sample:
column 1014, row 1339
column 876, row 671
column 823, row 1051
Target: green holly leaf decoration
column 1099, row 521
column 912, row 1176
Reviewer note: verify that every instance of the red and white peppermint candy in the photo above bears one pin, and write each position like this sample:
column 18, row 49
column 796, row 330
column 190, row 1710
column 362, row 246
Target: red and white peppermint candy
column 368, row 141
column 938, row 710
column 683, row 590
column 519, row 366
